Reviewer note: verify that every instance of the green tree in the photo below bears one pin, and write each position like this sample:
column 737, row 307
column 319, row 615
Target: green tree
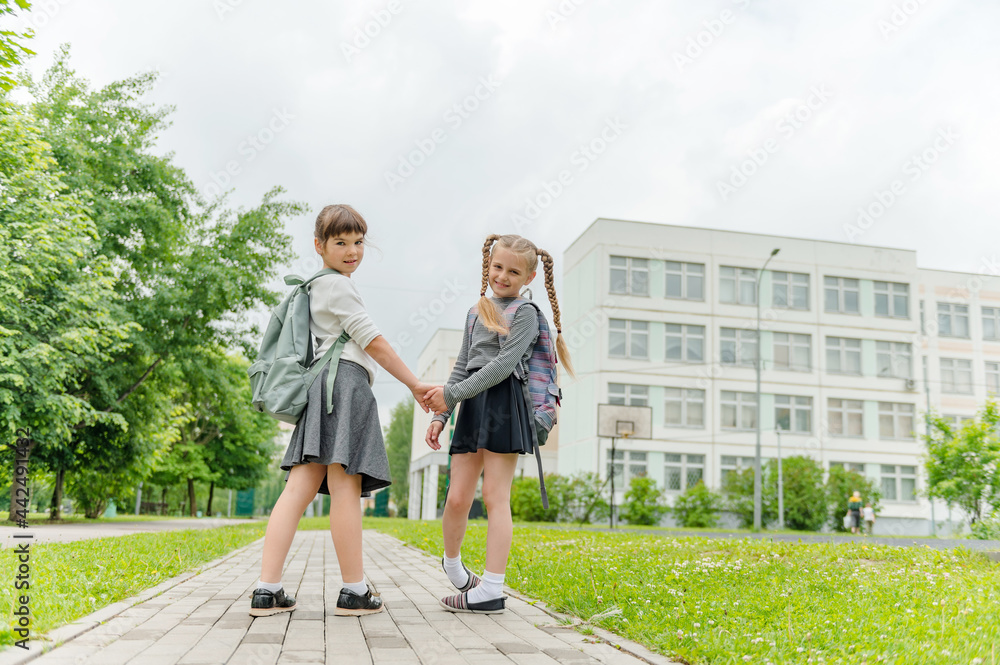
column 738, row 492
column 581, row 498
column 697, row 506
column 12, row 51
column 840, row 484
column 963, row 462
column 643, row 502
column 805, row 497
column 526, row 500
column 182, row 274
column 399, row 446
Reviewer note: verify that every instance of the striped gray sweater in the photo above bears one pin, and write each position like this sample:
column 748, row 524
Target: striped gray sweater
column 482, row 351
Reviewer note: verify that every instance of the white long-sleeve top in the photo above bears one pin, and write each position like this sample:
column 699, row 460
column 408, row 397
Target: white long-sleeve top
column 335, row 305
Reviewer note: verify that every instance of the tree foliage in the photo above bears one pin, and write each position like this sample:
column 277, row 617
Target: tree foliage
column 697, row 506
column 399, row 445
column 963, row 462
column 644, row 502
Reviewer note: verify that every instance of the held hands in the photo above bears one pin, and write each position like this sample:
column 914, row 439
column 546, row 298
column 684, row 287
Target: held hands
column 434, row 399
column 419, row 390
column 432, row 434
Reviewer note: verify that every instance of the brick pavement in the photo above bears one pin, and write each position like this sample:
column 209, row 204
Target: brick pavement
column 202, row 618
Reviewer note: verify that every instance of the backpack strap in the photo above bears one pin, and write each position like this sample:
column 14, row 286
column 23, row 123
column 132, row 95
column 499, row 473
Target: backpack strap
column 332, row 355
column 541, row 476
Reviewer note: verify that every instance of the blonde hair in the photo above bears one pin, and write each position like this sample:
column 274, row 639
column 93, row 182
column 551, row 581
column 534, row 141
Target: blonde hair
column 530, row 254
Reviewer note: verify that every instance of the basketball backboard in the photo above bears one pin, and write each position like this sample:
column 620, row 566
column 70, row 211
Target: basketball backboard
column 619, row 421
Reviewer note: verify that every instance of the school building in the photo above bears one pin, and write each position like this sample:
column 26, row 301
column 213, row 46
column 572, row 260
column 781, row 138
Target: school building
column 855, row 342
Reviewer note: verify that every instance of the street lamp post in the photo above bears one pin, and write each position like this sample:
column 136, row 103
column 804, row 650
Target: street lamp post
column 781, row 490
column 756, row 462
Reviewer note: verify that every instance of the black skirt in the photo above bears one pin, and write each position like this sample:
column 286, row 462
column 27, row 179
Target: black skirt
column 497, row 420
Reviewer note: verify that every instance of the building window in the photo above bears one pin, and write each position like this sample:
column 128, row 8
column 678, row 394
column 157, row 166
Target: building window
column 956, row 376
column 684, row 407
column 953, row 320
column 843, row 355
column 628, row 339
column 685, row 280
column 620, row 393
column 739, row 410
column 683, row 471
column 895, row 420
column 730, row 464
column 627, row 465
column 892, row 300
column 629, row 276
column 846, row 417
column 793, row 413
column 686, row 343
column 899, row 483
column 856, row 467
column 790, row 290
column 958, row 421
column 991, row 323
column 894, row 359
column 737, row 285
column 792, row 352
column 993, row 377
column 841, row 295
column 738, row 346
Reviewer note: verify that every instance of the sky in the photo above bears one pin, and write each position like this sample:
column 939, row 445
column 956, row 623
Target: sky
column 865, row 121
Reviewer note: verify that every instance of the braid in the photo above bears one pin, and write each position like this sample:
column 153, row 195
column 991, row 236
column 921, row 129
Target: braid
column 488, row 313
column 562, row 350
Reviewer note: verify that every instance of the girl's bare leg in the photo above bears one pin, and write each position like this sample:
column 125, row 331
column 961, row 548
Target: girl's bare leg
column 498, row 475
column 303, row 483
column 465, row 471
column 345, row 521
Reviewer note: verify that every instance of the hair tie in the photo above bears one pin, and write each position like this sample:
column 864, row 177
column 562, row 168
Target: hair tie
column 482, row 294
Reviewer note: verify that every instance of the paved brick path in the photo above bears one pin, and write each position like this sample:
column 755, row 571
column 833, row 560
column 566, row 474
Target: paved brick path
column 202, row 619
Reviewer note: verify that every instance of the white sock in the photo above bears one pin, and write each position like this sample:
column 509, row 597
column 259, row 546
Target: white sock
column 357, row 588
column 490, row 588
column 273, row 587
column 456, row 571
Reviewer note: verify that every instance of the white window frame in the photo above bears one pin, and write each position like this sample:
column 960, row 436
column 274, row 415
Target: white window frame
column 794, row 284
column 688, row 273
column 741, row 344
column 992, row 316
column 685, row 397
column 793, row 342
column 839, row 411
column 900, row 413
column 895, row 475
column 956, row 376
column 628, row 464
column 843, row 350
column 796, row 406
column 953, row 319
column 687, row 334
column 632, row 268
column 992, row 377
column 739, row 277
column 631, row 395
column 630, row 333
column 686, row 464
column 894, row 359
column 842, row 286
column 889, row 293
column 745, row 409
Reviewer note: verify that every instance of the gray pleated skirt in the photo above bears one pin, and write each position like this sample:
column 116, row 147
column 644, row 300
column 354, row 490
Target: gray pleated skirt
column 350, row 436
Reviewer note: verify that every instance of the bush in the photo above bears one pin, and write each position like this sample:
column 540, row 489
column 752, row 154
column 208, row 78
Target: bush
column 526, row 500
column 581, row 498
column 697, row 507
column 987, row 528
column 738, row 492
column 839, row 486
column 805, row 498
column 643, row 502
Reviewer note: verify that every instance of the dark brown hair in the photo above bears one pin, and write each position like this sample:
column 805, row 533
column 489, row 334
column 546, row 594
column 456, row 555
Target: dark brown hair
column 339, row 219
column 530, row 254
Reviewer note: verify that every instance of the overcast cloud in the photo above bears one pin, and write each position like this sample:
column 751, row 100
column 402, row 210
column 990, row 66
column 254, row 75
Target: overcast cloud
column 832, row 100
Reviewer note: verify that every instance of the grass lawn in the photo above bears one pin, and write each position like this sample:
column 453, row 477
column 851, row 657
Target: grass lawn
column 40, row 519
column 71, row 580
column 742, row 600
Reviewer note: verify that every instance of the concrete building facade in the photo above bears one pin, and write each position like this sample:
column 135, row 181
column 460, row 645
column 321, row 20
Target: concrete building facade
column 664, row 316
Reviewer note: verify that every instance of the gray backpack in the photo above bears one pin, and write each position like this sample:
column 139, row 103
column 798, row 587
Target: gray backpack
column 285, row 367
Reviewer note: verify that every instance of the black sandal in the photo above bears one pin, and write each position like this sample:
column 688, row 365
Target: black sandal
column 351, row 604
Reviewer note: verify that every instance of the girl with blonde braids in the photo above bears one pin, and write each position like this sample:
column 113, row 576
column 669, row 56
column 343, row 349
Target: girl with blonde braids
column 495, row 423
